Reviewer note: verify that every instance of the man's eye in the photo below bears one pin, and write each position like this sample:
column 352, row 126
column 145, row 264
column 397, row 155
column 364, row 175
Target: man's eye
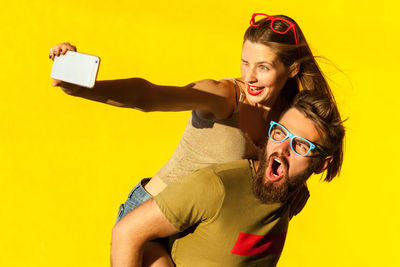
column 302, row 147
column 279, row 134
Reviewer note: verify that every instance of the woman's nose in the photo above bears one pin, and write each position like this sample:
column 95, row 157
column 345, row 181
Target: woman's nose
column 251, row 76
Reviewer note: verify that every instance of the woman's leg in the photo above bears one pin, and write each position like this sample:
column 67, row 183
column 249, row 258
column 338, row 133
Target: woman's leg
column 136, row 197
column 156, row 254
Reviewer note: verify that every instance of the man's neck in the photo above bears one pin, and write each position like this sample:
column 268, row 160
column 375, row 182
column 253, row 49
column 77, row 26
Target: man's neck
column 256, row 163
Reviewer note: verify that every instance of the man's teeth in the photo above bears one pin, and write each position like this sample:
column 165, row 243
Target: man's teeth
column 275, row 166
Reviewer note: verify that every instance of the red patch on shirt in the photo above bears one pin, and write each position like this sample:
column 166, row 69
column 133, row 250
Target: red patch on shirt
column 252, row 245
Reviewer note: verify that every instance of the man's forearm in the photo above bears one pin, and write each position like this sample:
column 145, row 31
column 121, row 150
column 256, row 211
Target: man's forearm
column 130, row 234
column 125, row 250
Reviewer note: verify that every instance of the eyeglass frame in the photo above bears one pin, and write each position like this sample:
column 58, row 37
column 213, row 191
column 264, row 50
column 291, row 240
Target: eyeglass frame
column 313, row 146
column 272, row 18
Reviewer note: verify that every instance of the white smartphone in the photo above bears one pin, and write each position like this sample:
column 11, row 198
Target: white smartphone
column 76, row 68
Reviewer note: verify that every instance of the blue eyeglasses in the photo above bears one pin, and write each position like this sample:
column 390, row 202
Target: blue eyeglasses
column 299, row 145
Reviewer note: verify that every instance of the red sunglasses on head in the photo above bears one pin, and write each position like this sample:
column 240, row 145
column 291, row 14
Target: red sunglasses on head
column 291, row 25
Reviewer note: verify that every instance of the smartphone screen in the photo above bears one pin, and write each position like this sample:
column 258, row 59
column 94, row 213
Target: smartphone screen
column 76, row 68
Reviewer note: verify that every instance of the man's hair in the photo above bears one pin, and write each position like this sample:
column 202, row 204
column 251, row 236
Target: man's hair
column 324, row 113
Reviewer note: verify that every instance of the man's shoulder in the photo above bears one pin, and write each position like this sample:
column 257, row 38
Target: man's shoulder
column 221, row 174
column 232, row 165
column 233, row 169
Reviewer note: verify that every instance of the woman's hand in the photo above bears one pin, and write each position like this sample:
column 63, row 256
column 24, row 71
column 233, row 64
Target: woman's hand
column 58, row 50
column 61, row 49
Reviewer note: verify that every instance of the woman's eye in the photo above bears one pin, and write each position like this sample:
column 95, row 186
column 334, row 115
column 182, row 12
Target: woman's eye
column 264, row 67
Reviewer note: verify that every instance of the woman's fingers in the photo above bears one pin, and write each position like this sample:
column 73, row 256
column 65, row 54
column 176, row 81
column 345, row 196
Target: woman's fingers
column 55, row 51
column 60, row 49
column 68, row 88
column 56, row 83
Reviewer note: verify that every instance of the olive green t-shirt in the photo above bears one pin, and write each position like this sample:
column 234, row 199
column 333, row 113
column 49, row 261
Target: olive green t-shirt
column 222, row 222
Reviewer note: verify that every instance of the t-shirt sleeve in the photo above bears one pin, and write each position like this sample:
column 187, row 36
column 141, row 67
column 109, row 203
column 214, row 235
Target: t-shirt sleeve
column 195, row 198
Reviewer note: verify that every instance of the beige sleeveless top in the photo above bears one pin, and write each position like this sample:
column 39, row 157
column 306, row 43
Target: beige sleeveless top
column 208, row 141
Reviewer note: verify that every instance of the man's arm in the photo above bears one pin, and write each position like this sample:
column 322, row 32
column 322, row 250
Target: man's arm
column 193, row 199
column 144, row 223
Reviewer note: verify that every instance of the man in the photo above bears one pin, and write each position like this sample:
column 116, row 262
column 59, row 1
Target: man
column 229, row 214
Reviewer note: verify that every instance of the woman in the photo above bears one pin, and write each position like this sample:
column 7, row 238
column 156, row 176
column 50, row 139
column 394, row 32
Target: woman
column 230, row 117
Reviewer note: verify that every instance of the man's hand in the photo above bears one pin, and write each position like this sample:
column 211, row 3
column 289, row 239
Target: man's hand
column 129, row 235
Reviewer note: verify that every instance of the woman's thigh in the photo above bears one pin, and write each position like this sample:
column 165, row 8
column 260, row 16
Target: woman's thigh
column 155, row 254
column 136, row 197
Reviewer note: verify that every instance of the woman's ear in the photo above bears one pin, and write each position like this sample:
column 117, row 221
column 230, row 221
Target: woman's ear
column 294, row 69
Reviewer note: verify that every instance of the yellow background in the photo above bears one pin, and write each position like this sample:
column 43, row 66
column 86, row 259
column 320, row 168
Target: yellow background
column 67, row 163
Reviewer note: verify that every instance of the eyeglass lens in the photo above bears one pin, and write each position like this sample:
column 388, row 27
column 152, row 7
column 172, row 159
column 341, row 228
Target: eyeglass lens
column 299, row 145
column 280, row 26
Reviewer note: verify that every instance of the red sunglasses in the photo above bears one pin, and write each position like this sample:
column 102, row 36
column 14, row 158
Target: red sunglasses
column 291, row 25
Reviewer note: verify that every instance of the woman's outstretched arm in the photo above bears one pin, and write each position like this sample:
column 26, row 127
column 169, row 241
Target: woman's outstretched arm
column 216, row 97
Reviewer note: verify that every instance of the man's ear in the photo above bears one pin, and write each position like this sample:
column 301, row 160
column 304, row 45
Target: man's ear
column 294, row 69
column 324, row 164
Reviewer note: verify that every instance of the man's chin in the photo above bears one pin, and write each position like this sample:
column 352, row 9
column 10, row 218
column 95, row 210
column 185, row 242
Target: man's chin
column 277, row 192
column 270, row 192
column 270, row 184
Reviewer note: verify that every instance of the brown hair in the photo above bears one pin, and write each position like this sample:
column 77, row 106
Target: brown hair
column 309, row 76
column 324, row 113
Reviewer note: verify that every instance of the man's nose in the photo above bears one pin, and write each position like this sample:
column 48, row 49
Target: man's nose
column 284, row 147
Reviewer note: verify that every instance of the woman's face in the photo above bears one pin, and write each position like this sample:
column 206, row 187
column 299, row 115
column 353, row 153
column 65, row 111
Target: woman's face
column 263, row 73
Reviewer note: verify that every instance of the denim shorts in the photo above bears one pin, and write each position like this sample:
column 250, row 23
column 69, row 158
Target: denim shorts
column 136, row 197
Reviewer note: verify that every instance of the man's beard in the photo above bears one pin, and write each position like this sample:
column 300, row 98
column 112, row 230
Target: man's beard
column 274, row 192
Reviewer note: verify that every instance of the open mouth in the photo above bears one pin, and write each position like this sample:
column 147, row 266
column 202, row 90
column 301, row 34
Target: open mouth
column 276, row 169
column 254, row 90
